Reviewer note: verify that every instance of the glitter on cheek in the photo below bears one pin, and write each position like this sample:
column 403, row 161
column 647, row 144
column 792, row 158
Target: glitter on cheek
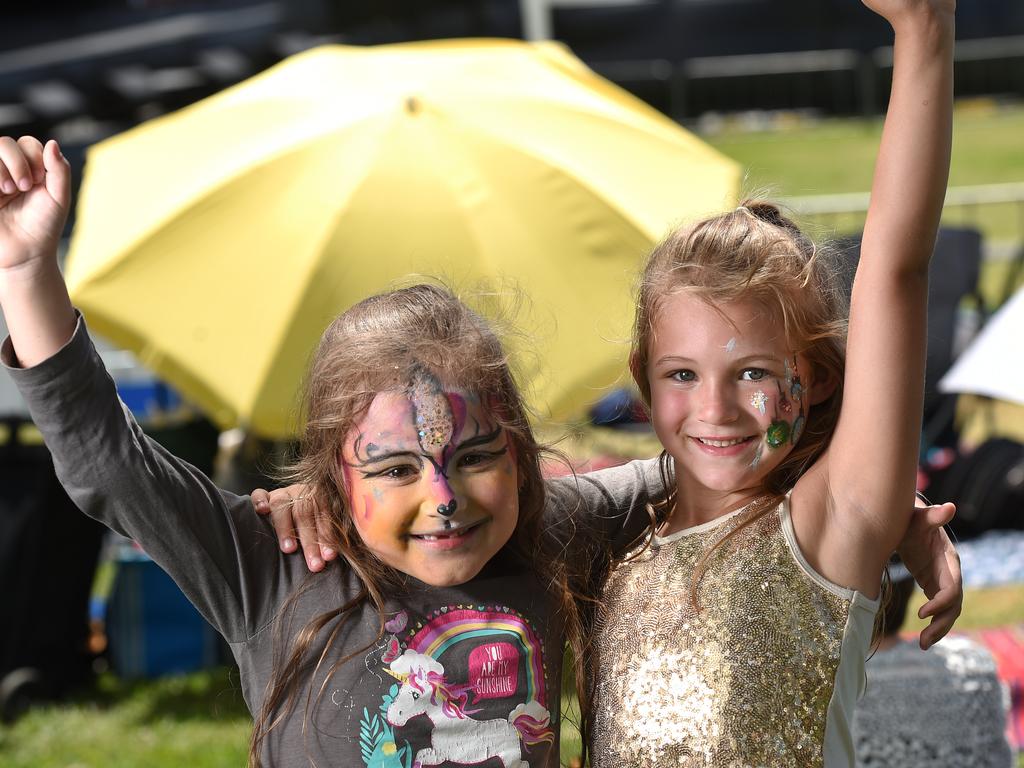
column 784, row 405
column 757, row 456
column 759, row 399
column 378, row 495
column 798, row 429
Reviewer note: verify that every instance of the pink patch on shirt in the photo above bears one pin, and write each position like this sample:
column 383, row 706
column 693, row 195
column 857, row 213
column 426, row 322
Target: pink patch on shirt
column 494, row 670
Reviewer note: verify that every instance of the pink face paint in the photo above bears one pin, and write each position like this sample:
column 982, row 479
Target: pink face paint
column 367, row 506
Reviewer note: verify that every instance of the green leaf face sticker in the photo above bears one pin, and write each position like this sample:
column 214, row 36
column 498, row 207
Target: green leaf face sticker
column 777, row 434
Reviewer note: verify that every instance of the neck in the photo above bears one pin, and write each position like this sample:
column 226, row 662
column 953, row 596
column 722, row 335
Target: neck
column 698, row 505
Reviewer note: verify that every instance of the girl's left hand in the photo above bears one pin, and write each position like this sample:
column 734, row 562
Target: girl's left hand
column 294, row 514
column 928, row 553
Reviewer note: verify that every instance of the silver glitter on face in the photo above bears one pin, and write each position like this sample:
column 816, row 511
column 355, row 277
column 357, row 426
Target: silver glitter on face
column 759, row 399
column 432, row 412
column 743, row 679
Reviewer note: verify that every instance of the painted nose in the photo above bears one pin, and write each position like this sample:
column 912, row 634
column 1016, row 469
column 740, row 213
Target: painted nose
column 447, row 510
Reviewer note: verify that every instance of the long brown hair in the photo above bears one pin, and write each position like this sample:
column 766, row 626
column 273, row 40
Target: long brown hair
column 372, row 347
column 754, row 253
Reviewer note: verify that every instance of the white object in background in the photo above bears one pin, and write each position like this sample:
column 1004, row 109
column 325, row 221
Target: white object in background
column 993, row 364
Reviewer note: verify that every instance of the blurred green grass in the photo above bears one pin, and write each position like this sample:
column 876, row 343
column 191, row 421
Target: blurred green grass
column 200, row 721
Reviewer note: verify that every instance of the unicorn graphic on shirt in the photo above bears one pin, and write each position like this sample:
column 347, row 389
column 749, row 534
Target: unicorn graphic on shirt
column 457, row 737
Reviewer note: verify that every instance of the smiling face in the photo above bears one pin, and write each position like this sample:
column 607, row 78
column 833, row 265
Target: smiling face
column 432, row 482
column 729, row 398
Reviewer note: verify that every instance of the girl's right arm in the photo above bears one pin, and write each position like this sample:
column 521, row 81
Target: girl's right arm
column 207, row 540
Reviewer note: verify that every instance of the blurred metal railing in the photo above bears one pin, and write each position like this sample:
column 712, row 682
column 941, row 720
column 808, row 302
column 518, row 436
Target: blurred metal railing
column 988, row 207
column 861, row 76
column 956, row 197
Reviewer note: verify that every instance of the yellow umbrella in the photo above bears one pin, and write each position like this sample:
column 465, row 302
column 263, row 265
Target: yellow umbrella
column 217, row 242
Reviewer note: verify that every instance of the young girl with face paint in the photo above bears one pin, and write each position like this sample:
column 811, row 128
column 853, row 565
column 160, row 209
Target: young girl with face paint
column 439, row 639
column 741, row 628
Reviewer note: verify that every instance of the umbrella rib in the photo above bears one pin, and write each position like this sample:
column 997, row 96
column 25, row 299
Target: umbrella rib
column 300, row 295
column 709, row 153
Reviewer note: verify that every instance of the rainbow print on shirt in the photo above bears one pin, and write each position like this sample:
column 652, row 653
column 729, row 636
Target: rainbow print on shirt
column 448, row 668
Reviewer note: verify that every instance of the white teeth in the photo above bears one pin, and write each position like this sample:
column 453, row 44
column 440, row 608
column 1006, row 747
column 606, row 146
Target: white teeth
column 722, row 443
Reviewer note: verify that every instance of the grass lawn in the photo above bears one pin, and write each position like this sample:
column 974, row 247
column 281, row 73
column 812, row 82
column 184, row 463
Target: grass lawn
column 808, row 157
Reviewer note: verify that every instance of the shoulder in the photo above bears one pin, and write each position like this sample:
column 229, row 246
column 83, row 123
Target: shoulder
column 610, row 489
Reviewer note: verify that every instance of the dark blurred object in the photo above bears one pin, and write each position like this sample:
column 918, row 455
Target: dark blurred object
column 48, row 554
column 987, row 486
column 152, row 628
column 953, row 296
column 619, row 408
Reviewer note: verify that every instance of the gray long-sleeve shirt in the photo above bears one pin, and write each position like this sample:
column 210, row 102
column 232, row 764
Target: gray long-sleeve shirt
column 464, row 675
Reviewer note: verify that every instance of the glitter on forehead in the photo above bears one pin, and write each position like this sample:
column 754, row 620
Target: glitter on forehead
column 730, row 345
column 432, row 414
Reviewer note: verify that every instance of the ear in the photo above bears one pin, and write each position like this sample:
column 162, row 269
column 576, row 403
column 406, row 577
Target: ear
column 823, row 387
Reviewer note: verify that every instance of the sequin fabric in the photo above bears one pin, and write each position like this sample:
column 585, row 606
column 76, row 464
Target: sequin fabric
column 743, row 680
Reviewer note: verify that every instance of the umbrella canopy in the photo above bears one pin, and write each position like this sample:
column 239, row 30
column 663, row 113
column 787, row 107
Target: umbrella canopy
column 989, row 366
column 218, row 242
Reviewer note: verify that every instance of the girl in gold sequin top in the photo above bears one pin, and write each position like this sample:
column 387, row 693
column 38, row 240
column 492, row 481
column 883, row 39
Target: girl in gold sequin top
column 736, row 636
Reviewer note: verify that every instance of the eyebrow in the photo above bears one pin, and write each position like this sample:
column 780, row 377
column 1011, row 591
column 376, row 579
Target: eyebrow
column 473, row 442
column 378, row 458
column 738, row 361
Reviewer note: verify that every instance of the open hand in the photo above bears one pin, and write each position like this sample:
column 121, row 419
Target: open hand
column 35, row 194
column 932, row 559
column 294, row 513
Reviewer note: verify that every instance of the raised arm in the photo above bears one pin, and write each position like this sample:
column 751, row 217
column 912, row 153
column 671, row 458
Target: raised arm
column 870, row 465
column 35, row 191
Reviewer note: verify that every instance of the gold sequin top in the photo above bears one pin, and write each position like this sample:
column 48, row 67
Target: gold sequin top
column 765, row 672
